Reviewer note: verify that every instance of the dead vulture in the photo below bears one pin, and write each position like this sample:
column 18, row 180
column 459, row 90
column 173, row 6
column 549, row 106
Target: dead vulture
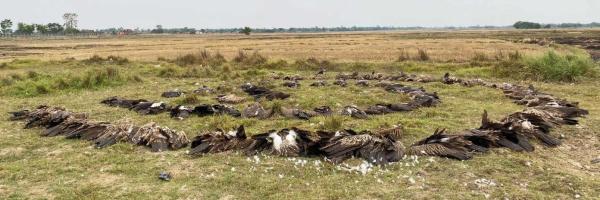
column 230, row 99
column 220, row 141
column 217, row 109
column 401, row 107
column 354, row 112
column 291, row 84
column 272, row 95
column 115, row 133
column 253, row 90
column 340, row 82
column 378, row 109
column 158, row 138
column 424, row 101
column 121, row 102
column 295, row 77
column 377, row 149
column 363, row 83
column 504, row 136
column 204, row 90
column 323, row 110
column 295, row 113
column 319, row 84
column 444, row 145
column 150, row 108
column 281, row 143
column 181, row 112
column 447, row 79
column 172, row 94
column 18, row 115
column 256, row 110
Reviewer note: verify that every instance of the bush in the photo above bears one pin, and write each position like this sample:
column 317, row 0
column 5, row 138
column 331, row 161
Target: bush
column 254, row 59
column 404, row 56
column 548, row 67
column 554, row 67
column 422, row 55
column 204, row 58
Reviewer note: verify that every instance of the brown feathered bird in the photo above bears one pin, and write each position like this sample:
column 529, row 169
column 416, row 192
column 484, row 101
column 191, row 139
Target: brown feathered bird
column 376, row 149
column 445, row 145
column 220, row 141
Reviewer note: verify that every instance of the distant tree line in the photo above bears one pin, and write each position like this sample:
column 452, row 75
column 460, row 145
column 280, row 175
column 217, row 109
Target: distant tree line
column 533, row 25
column 69, row 27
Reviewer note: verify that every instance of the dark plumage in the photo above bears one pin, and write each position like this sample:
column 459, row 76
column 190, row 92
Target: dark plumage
column 150, row 108
column 181, row 112
column 172, row 94
column 220, row 141
column 323, row 110
column 444, row 145
column 353, row 111
column 121, row 102
column 318, row 84
column 377, row 149
column 378, row 109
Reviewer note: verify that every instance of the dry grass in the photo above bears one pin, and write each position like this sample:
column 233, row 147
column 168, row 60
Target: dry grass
column 457, row 46
column 36, row 167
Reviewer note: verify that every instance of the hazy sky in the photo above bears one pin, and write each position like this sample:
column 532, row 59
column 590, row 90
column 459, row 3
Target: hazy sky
column 299, row 13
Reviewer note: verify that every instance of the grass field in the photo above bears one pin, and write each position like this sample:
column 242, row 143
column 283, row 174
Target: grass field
column 56, row 168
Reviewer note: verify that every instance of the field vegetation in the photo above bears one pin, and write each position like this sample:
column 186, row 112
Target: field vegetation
column 47, row 72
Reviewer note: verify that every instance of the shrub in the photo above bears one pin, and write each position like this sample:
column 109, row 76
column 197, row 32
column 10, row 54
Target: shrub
column 254, row 59
column 422, row 55
column 479, row 57
column 554, row 67
column 548, row 67
column 203, row 57
column 189, row 100
column 332, row 123
column 404, row 56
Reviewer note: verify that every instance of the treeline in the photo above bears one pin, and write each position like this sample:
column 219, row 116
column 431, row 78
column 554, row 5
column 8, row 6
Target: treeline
column 534, row 25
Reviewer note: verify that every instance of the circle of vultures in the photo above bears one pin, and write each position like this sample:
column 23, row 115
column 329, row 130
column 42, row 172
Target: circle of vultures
column 515, row 131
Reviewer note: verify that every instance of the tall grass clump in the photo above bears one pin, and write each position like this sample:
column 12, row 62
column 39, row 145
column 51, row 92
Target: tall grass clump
column 95, row 59
column 254, row 59
column 204, row 58
column 422, row 55
column 548, row 67
column 404, row 56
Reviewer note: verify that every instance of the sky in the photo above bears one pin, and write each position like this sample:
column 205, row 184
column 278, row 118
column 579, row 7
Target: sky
column 95, row 14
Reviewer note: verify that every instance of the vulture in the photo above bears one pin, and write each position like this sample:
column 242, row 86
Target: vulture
column 340, row 82
column 181, row 112
column 276, row 95
column 121, row 102
column 18, row 115
column 378, row 109
column 295, row 113
column 502, row 135
column 203, row 90
column 45, row 116
column 293, row 78
column 205, row 110
column 354, row 112
column 172, row 94
column 401, row 107
column 323, row 110
column 230, row 99
column 286, row 143
column 382, row 84
column 220, row 141
column 256, row 110
column 291, row 84
column 444, row 145
column 158, row 138
column 150, row 108
column 115, row 133
column 362, row 83
column 377, row 149
column 318, row 84
column 424, row 101
column 447, row 79
column 253, row 90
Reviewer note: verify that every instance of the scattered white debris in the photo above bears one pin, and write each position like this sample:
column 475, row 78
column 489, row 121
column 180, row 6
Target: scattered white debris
column 233, row 169
column 577, row 196
column 280, row 176
column 411, row 180
column 482, row 182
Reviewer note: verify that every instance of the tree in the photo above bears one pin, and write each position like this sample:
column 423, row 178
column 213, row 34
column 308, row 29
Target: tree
column 55, row 28
column 246, row 30
column 6, row 26
column 23, row 28
column 158, row 29
column 527, row 25
column 70, row 22
column 41, row 28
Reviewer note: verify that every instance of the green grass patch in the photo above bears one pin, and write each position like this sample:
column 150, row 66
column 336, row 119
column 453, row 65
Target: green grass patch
column 548, row 67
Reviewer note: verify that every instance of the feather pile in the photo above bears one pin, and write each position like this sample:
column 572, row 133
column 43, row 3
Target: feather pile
column 57, row 121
